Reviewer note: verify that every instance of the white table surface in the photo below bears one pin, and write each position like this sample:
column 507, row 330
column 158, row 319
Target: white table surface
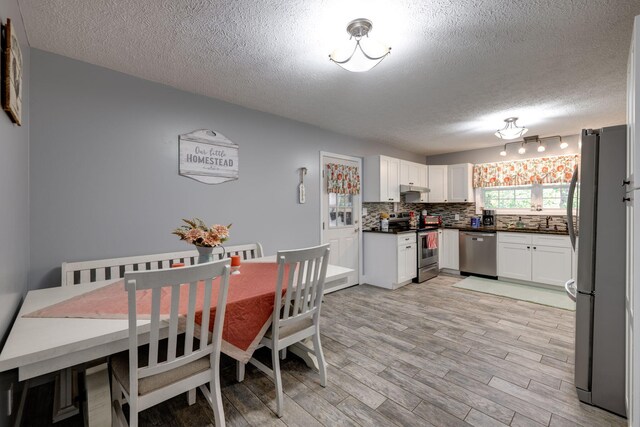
column 37, row 346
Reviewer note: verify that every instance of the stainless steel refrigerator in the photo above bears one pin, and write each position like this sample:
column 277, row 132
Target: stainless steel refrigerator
column 599, row 288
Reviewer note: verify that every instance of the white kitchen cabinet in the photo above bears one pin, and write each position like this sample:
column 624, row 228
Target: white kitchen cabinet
column 390, row 260
column 413, row 174
column 450, row 249
column 459, row 183
column 440, row 248
column 381, row 179
column 550, row 265
column 437, row 180
column 407, row 262
column 539, row 258
column 514, row 261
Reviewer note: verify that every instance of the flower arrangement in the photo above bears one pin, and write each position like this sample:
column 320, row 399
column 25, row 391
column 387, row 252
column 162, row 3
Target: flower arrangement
column 197, row 233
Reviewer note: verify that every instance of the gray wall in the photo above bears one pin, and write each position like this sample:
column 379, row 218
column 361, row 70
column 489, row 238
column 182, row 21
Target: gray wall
column 492, row 154
column 14, row 207
column 104, row 179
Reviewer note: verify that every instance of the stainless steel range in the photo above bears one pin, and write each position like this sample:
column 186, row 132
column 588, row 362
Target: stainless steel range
column 428, row 243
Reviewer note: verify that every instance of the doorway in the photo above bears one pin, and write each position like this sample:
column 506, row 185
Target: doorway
column 340, row 219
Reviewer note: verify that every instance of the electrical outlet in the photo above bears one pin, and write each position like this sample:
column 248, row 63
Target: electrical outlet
column 457, row 217
column 365, row 212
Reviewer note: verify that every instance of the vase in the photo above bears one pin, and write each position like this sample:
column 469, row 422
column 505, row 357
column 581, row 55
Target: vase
column 205, row 253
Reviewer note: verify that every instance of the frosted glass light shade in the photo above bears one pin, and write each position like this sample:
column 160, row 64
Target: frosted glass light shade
column 511, row 130
column 360, row 55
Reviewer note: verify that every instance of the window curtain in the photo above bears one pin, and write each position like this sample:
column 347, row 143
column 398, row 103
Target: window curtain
column 543, row 170
column 342, row 179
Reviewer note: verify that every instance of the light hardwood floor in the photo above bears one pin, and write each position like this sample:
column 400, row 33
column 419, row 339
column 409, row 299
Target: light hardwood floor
column 424, row 355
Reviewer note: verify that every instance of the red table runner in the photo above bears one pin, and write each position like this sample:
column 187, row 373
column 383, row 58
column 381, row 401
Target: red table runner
column 248, row 316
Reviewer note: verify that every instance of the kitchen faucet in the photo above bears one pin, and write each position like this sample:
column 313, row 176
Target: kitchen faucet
column 548, row 218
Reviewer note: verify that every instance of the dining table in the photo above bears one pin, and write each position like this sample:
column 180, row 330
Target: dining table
column 38, row 346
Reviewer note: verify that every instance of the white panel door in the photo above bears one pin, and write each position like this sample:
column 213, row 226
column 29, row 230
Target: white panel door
column 458, row 183
column 514, row 261
column 411, row 260
column 437, row 178
column 551, row 265
column 389, row 179
column 341, row 223
column 451, row 250
column 403, row 254
column 422, row 175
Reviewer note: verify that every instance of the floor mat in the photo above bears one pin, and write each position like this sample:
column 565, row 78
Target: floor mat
column 551, row 297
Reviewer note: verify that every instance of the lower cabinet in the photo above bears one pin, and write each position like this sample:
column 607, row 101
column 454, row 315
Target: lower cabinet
column 514, row 261
column 536, row 258
column 390, row 260
column 449, row 251
column 407, row 262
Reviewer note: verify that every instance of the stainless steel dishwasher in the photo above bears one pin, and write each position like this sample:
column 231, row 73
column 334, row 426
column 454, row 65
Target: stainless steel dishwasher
column 478, row 253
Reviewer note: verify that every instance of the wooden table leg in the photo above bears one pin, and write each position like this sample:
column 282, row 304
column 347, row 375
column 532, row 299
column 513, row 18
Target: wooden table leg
column 64, row 394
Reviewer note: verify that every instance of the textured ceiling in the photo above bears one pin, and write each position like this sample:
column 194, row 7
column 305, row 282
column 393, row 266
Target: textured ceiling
column 457, row 67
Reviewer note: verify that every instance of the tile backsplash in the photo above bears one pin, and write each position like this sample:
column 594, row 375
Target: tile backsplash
column 448, row 212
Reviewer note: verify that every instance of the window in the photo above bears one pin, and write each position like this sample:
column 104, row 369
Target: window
column 517, row 197
column 537, row 197
column 340, row 208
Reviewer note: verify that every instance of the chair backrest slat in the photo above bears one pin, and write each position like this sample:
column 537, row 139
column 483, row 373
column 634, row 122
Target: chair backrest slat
column 195, row 277
column 307, row 268
column 154, row 333
column 74, row 273
column 173, row 322
column 191, row 314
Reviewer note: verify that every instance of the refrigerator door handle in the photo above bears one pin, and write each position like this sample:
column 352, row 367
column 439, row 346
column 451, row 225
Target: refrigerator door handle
column 571, row 289
column 571, row 195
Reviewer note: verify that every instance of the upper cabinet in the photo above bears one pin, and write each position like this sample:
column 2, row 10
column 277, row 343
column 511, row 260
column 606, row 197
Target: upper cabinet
column 459, row 183
column 437, row 178
column 384, row 175
column 381, row 179
column 413, row 174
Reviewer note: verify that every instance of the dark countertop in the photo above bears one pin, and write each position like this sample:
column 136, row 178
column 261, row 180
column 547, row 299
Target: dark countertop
column 376, row 230
column 480, row 230
column 559, row 232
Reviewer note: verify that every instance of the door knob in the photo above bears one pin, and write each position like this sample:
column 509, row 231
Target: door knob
column 356, row 230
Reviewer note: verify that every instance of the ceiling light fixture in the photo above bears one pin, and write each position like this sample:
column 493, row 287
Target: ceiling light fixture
column 542, row 147
column 365, row 54
column 511, row 130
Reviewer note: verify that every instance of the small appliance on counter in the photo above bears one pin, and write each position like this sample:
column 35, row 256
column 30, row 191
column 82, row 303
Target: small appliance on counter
column 475, row 222
column 429, row 221
column 488, row 217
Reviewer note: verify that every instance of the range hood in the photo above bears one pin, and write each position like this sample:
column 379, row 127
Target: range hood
column 404, row 189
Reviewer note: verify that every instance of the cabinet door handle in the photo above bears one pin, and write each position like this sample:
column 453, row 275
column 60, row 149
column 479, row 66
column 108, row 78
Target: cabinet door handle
column 528, row 247
column 625, row 182
column 534, row 248
column 408, row 247
column 626, row 199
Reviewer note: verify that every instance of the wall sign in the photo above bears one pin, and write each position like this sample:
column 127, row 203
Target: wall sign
column 207, row 156
column 12, row 75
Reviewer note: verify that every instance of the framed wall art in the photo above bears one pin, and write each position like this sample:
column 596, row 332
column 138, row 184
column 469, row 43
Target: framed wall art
column 12, row 74
column 207, row 156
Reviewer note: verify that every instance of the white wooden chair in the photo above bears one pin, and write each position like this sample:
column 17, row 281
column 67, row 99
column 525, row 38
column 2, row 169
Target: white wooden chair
column 296, row 315
column 165, row 368
column 74, row 273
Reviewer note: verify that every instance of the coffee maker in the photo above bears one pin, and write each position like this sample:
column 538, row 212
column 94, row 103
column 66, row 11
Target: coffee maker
column 488, row 217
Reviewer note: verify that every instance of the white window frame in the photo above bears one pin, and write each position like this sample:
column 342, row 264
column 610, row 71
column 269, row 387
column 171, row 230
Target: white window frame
column 536, row 200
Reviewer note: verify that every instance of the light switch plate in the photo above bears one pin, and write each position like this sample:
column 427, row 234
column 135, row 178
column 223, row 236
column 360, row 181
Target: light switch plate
column 457, row 217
